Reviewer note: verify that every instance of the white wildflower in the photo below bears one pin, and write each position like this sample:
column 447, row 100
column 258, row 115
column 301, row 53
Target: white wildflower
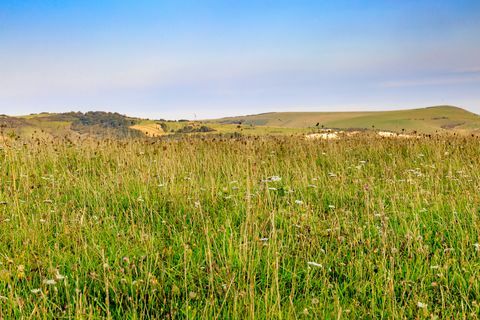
column 59, row 276
column 272, row 179
column 298, row 201
column 314, row 264
column 49, row 282
column 421, row 305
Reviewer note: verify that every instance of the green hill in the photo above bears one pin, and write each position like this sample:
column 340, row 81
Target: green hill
column 114, row 125
column 426, row 120
column 98, row 124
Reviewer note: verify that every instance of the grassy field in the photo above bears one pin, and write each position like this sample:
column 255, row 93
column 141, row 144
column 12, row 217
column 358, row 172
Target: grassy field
column 425, row 120
column 255, row 227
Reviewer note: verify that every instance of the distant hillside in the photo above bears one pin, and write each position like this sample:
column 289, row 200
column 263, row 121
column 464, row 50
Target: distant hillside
column 114, row 125
column 98, row 123
column 426, row 120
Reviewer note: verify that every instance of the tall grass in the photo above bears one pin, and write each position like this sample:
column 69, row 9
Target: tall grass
column 357, row 228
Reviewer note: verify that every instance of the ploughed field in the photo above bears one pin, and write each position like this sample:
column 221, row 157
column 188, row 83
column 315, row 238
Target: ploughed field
column 255, row 227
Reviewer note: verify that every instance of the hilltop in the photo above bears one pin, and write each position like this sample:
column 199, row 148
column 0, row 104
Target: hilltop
column 425, row 120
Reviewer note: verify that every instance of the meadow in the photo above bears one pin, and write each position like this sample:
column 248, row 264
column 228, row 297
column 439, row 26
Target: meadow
column 248, row 228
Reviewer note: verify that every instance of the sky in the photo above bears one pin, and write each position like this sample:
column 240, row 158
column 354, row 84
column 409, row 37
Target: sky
column 212, row 58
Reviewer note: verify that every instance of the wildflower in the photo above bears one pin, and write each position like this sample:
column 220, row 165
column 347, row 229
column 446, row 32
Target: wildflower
column 477, row 246
column 49, row 282
column 421, row 305
column 21, row 271
column 35, row 291
column 263, row 239
column 272, row 179
column 59, row 276
column 298, row 201
column 314, row 264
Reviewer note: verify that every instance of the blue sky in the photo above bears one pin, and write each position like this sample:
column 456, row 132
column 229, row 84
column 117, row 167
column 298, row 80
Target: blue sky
column 211, row 58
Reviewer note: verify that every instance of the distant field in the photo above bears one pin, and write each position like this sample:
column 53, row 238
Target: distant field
column 425, row 120
column 263, row 227
column 440, row 120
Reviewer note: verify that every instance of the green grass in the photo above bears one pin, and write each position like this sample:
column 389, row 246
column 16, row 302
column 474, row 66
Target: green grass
column 425, row 120
column 362, row 227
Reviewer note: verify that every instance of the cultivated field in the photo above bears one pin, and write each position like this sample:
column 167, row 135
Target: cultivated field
column 254, row 227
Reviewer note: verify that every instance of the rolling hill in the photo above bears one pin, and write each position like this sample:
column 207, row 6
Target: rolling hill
column 113, row 125
column 425, row 120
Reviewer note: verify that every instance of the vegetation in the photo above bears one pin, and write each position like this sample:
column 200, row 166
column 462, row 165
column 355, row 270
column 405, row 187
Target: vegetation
column 192, row 129
column 253, row 227
column 425, row 120
column 443, row 119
